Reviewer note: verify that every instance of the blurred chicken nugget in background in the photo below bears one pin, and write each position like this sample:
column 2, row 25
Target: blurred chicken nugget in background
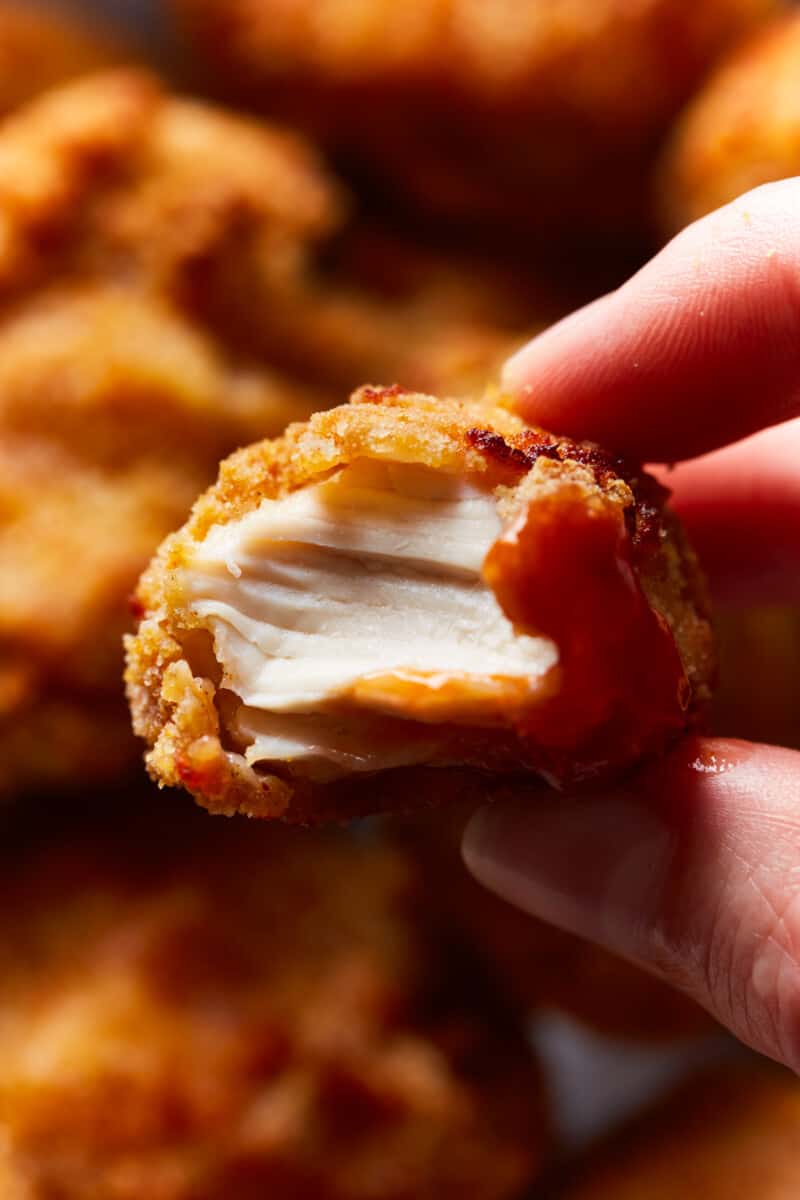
column 194, row 1010
column 758, row 697
column 731, row 1132
column 160, row 304
column 41, row 47
column 115, row 403
column 742, row 128
column 536, row 116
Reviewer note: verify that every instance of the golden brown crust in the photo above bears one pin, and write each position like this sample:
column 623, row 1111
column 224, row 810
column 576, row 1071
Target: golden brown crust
column 730, row 1132
column 193, row 1011
column 602, row 714
column 741, row 130
column 515, row 112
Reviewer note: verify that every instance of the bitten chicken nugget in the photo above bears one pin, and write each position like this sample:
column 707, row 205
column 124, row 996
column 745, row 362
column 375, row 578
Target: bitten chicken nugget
column 40, row 48
column 537, row 114
column 161, row 304
column 420, row 588
column 741, row 130
column 191, row 1012
column 731, row 1132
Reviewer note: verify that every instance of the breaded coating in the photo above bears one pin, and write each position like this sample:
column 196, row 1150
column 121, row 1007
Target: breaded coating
column 40, row 48
column 112, row 179
column 196, row 1012
column 538, row 116
column 731, row 1132
column 160, row 305
column 538, row 966
column 741, row 130
column 421, row 588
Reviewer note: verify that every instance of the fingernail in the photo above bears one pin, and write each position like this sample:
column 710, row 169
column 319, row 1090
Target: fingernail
column 595, row 866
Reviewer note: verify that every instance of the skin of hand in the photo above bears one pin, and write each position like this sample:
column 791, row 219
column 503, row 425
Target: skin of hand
column 691, row 869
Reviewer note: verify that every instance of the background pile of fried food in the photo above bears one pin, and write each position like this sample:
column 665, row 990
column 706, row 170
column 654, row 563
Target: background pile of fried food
column 311, row 195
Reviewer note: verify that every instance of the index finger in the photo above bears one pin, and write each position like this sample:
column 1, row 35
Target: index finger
column 701, row 347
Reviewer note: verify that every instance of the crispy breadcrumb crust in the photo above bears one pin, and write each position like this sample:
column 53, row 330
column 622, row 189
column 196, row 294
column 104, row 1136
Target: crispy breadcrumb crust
column 742, row 128
column 512, row 113
column 196, row 1012
column 160, row 305
column 173, row 699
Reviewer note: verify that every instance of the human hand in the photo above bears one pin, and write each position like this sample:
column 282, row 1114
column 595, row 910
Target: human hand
column 692, row 870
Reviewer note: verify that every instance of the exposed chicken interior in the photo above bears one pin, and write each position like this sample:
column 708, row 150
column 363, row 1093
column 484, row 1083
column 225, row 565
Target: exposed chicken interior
column 351, row 622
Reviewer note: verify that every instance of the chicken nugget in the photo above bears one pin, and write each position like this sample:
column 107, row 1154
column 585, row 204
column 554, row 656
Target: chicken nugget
column 535, row 115
column 191, row 1012
column 421, row 588
column 741, row 130
column 115, row 402
column 733, row 1131
column 161, row 303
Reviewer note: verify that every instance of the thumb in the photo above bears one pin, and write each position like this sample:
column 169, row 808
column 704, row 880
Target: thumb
column 700, row 348
column 692, row 871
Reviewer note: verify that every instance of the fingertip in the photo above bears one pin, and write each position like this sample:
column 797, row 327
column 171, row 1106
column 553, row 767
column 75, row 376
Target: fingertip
column 699, row 348
column 515, row 372
column 485, row 843
column 540, row 376
column 689, row 870
column 472, row 840
column 565, row 859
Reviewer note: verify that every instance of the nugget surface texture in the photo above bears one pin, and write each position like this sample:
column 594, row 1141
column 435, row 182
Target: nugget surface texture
column 512, row 112
column 741, row 130
column 196, row 1012
column 420, row 588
